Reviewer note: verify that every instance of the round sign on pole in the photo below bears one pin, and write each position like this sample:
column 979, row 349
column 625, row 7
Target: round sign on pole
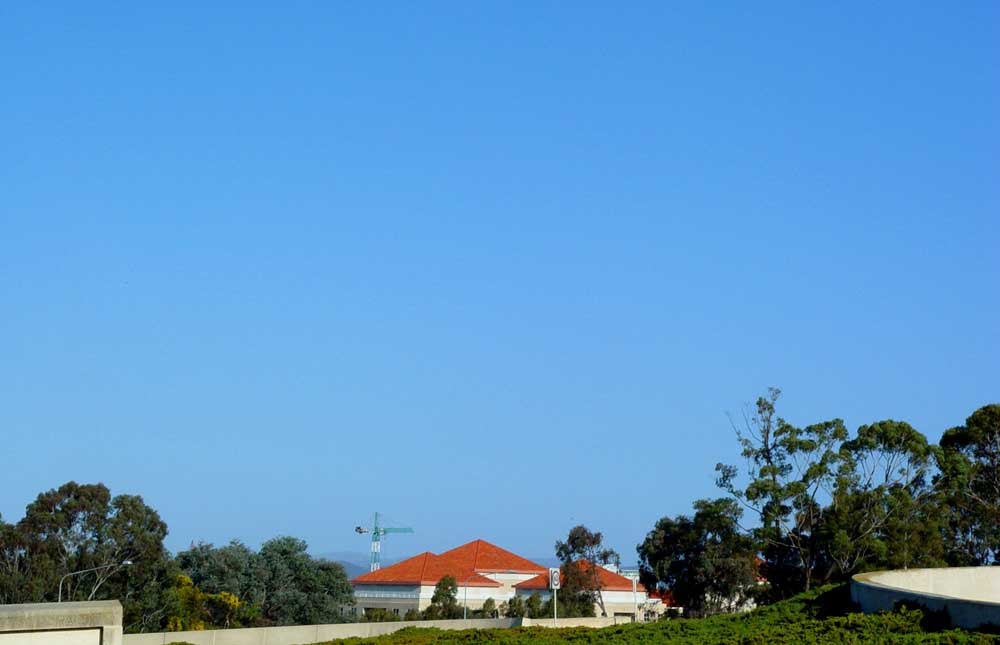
column 554, row 578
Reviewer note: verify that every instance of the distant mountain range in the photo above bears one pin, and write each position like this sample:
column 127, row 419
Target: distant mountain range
column 352, row 569
column 354, row 562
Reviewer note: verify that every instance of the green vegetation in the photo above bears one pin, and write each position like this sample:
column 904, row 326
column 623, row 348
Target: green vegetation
column 116, row 543
column 821, row 616
column 706, row 562
column 581, row 585
column 824, row 504
column 444, row 603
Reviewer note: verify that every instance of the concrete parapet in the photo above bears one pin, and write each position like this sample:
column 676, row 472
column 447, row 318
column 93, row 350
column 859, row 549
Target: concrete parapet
column 970, row 595
column 297, row 635
column 318, row 633
column 65, row 623
column 601, row 621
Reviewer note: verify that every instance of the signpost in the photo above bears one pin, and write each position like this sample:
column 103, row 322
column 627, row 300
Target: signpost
column 554, row 586
column 633, row 575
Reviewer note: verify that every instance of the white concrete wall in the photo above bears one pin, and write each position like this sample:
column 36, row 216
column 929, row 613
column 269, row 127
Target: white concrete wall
column 508, row 580
column 403, row 597
column 615, row 602
column 398, row 598
column 301, row 635
column 66, row 623
column 595, row 623
column 971, row 595
column 319, row 633
column 66, row 637
column 476, row 596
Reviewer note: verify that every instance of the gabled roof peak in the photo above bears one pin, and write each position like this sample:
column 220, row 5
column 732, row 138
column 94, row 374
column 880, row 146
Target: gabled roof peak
column 465, row 563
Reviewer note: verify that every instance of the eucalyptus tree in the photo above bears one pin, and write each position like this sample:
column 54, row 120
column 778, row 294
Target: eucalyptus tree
column 581, row 555
column 970, row 484
column 709, row 565
column 882, row 513
column 791, row 471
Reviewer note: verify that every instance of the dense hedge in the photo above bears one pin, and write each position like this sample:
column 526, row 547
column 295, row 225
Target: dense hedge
column 818, row 617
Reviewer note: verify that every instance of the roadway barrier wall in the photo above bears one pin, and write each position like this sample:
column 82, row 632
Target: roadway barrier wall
column 970, row 595
column 64, row 623
column 301, row 635
column 297, row 635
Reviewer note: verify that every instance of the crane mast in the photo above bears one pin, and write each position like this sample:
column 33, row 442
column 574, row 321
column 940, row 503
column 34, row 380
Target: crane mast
column 377, row 532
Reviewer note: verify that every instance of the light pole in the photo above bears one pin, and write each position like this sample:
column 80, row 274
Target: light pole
column 75, row 573
column 465, row 607
column 635, row 602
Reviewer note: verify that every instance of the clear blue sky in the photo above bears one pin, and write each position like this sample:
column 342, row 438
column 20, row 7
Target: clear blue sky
column 492, row 269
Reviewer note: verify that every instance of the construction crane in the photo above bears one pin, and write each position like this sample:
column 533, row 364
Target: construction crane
column 377, row 533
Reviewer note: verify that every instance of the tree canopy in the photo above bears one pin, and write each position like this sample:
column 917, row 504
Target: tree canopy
column 114, row 548
column 708, row 564
column 581, row 585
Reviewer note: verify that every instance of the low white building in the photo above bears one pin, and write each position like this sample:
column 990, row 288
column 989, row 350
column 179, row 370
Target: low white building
column 481, row 570
column 624, row 597
column 485, row 571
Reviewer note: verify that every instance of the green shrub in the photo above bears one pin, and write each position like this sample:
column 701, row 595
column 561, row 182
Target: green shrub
column 824, row 616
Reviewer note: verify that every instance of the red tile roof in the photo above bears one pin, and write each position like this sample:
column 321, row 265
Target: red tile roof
column 609, row 580
column 464, row 563
column 483, row 557
column 665, row 596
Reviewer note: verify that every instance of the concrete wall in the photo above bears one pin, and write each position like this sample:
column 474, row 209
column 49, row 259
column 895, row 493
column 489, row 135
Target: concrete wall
column 306, row 634
column 66, row 623
column 401, row 598
column 971, row 595
column 615, row 602
column 507, row 580
column 318, row 633
column 576, row 622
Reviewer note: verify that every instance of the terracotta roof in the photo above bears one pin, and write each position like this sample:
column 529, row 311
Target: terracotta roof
column 610, row 581
column 464, row 563
column 665, row 596
column 483, row 557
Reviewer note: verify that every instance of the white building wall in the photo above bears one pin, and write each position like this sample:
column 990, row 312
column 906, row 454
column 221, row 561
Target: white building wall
column 508, row 580
column 615, row 602
column 402, row 598
column 395, row 598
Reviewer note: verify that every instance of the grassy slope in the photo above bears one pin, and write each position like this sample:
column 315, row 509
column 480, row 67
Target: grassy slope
column 820, row 616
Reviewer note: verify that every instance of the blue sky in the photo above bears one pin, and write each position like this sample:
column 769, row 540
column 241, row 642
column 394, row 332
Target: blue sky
column 493, row 269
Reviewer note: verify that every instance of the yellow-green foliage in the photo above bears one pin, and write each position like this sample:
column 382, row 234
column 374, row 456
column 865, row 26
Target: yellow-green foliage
column 197, row 610
column 190, row 605
column 222, row 608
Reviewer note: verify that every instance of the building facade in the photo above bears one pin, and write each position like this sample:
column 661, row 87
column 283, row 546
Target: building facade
column 623, row 596
column 484, row 571
column 481, row 570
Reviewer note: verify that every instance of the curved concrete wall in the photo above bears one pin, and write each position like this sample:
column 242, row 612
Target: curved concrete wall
column 971, row 595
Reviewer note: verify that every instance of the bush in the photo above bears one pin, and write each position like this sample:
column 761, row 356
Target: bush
column 379, row 615
column 824, row 616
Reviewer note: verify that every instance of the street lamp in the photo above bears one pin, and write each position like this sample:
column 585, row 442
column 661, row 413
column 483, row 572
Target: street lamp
column 124, row 563
column 465, row 603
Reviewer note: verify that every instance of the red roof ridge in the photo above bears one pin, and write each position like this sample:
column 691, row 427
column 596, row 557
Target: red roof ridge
column 378, row 576
column 503, row 560
column 465, row 563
